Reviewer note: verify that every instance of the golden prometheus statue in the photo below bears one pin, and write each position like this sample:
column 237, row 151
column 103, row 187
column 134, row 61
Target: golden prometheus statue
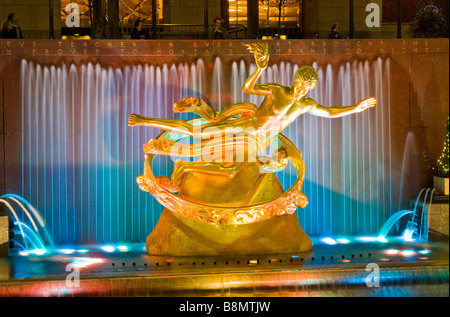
column 229, row 200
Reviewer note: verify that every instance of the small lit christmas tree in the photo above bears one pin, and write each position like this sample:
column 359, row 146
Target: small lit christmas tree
column 442, row 161
column 429, row 22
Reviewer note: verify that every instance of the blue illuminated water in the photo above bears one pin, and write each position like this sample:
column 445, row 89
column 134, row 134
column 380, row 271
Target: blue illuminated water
column 30, row 229
column 394, row 220
column 80, row 159
column 418, row 223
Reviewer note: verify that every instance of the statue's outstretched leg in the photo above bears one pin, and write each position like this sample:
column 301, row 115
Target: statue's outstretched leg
column 205, row 131
column 174, row 125
column 239, row 113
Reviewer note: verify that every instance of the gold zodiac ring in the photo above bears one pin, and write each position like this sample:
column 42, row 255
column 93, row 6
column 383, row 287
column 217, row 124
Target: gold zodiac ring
column 286, row 203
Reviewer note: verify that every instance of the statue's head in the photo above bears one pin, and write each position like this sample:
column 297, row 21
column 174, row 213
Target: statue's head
column 305, row 80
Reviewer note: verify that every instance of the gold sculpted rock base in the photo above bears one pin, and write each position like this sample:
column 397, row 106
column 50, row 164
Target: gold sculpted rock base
column 176, row 235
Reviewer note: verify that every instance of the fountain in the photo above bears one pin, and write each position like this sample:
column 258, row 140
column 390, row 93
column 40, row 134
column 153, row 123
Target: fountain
column 33, row 238
column 87, row 143
column 416, row 228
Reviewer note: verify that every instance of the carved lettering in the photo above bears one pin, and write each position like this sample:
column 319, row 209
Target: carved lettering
column 24, row 47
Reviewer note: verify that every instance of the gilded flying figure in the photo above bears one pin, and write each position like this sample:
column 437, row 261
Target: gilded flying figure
column 281, row 106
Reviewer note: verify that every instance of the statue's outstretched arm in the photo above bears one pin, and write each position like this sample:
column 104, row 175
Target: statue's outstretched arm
column 336, row 112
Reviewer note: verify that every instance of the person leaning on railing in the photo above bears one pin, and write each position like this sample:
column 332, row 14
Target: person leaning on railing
column 335, row 32
column 218, row 32
column 11, row 29
column 139, row 33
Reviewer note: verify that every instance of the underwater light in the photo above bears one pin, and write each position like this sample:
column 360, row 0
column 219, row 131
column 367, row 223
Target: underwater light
column 367, row 239
column 392, row 251
column 108, row 248
column 85, row 261
column 67, row 251
column 425, row 252
column 122, row 248
column 83, row 251
column 38, row 251
column 343, row 240
column 373, row 239
column 329, row 241
column 408, row 253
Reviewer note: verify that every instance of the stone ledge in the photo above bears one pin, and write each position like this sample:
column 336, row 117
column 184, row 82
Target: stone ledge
column 4, row 236
column 439, row 219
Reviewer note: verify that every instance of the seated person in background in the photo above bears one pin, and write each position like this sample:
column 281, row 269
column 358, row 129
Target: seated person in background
column 139, row 33
column 335, row 32
column 218, row 32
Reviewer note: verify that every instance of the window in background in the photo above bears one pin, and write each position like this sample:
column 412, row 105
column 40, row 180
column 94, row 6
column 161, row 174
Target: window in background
column 269, row 13
column 129, row 11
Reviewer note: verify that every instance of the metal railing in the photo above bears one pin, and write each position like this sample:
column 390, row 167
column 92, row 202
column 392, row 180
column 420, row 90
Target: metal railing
column 163, row 31
column 185, row 31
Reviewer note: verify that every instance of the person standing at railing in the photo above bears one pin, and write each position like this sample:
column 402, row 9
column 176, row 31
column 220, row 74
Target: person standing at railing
column 218, row 32
column 139, row 33
column 11, row 29
column 7, row 29
column 335, row 32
